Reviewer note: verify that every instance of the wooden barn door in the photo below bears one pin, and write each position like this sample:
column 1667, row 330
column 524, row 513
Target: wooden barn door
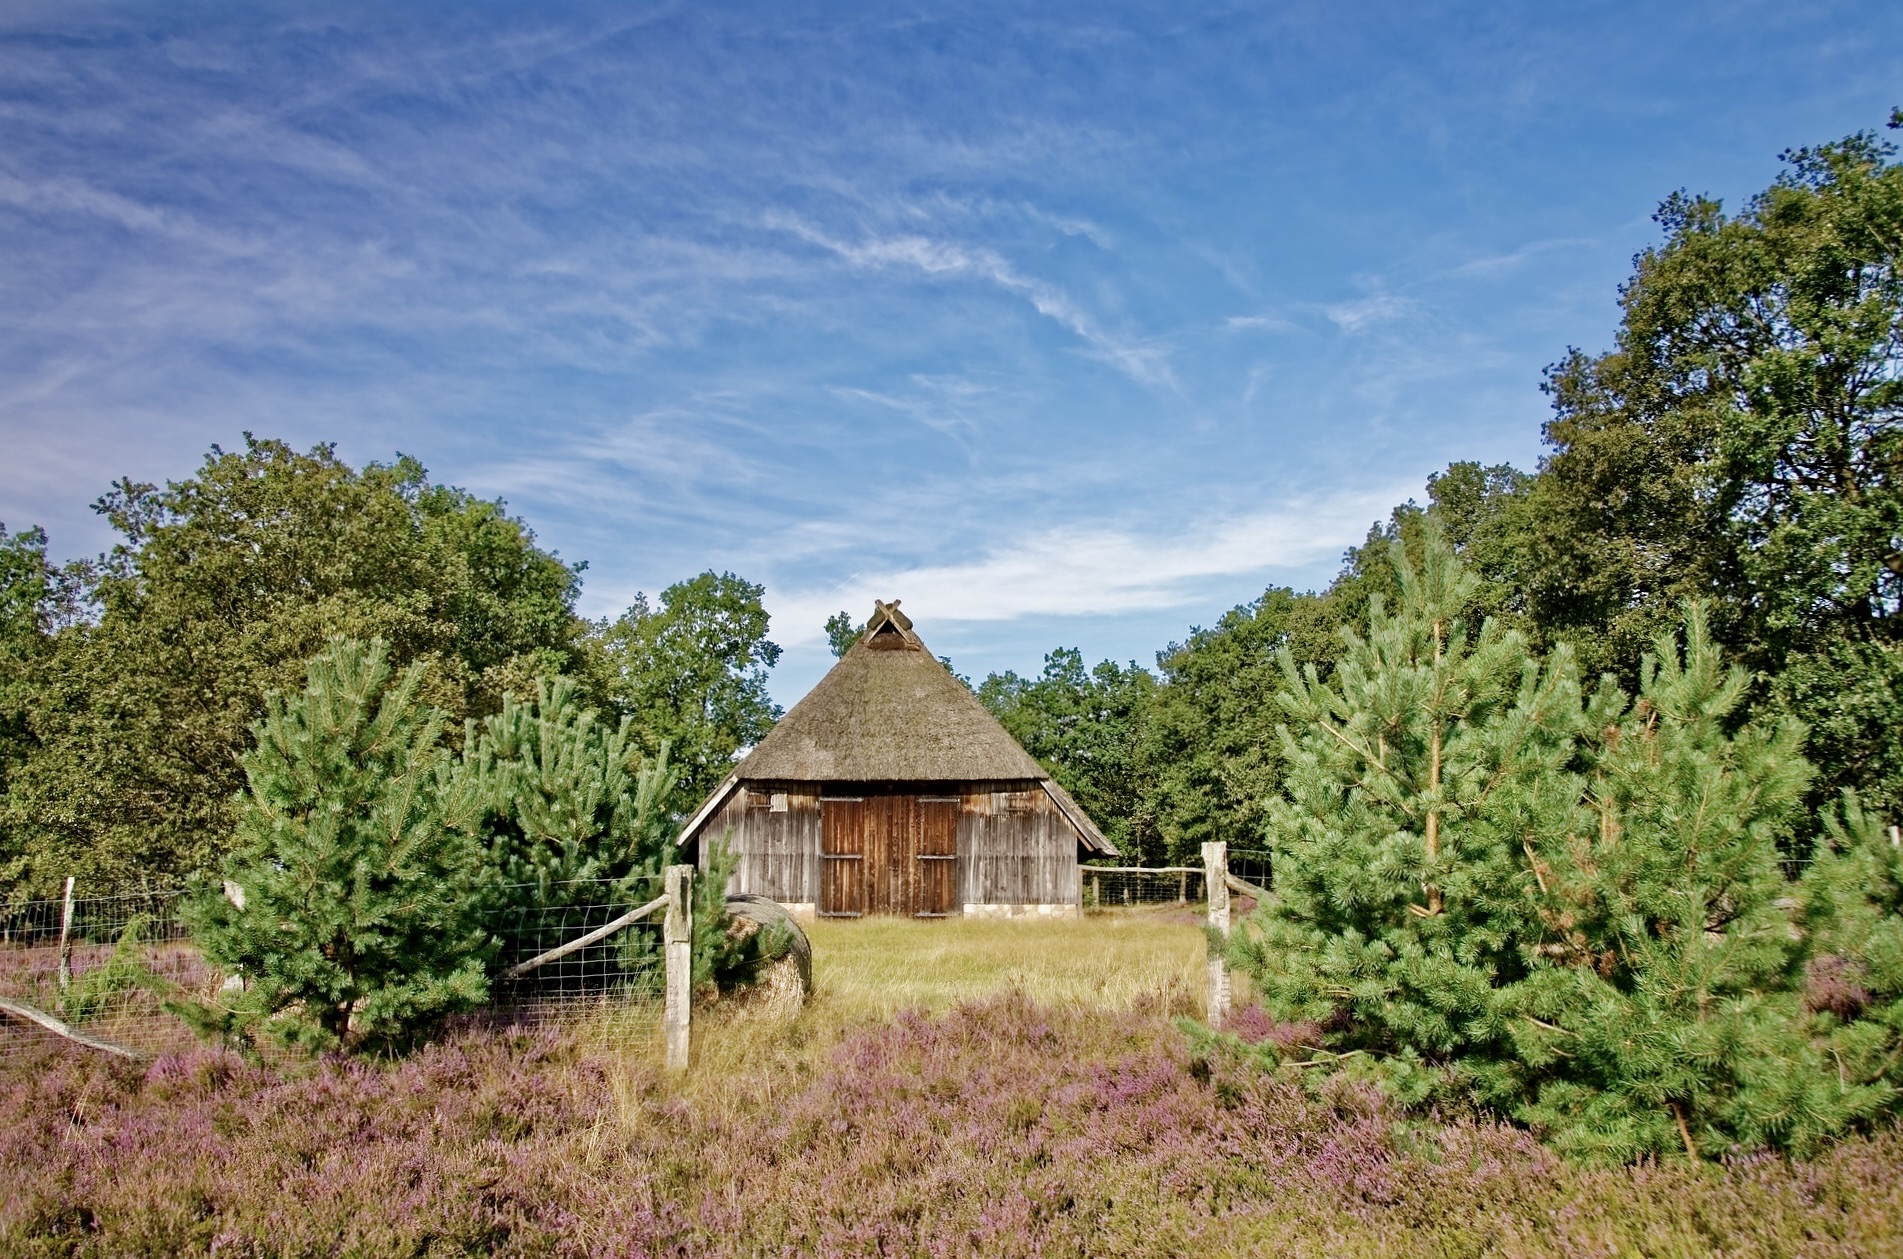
column 843, row 828
column 888, row 853
column 936, row 857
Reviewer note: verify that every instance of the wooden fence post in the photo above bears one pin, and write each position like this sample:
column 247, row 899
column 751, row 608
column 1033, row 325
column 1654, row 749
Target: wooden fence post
column 66, row 937
column 677, row 937
column 1216, row 883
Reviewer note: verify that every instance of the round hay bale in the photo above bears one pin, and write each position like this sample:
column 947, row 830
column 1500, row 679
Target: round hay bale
column 780, row 986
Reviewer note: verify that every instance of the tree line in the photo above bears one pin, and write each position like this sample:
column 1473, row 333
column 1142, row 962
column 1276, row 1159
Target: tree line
column 130, row 683
column 1740, row 445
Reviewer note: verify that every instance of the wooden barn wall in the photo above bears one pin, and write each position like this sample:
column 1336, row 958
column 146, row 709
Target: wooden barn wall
column 1015, row 847
column 778, row 851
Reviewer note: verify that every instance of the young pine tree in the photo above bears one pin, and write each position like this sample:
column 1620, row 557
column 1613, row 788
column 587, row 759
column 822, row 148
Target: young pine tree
column 1853, row 919
column 349, row 911
column 1414, row 774
column 566, row 801
column 1571, row 910
column 1660, row 1009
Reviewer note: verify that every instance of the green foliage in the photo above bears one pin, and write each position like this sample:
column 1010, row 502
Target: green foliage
column 1849, row 695
column 691, row 672
column 355, row 864
column 1660, row 1011
column 1853, row 914
column 1496, row 889
column 379, row 868
column 1412, row 775
column 841, row 632
column 26, row 592
column 564, row 799
column 90, row 994
column 1216, row 755
column 1089, row 729
column 1215, row 758
column 1743, row 442
column 223, row 586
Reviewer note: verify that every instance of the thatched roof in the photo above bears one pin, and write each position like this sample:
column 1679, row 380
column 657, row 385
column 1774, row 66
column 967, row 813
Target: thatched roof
column 889, row 712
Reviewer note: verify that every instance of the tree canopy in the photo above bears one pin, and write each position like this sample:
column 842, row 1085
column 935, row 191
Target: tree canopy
column 691, row 671
column 223, row 585
column 1742, row 443
column 1088, row 727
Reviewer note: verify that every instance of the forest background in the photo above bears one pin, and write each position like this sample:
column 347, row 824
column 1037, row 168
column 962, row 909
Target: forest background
column 1738, row 445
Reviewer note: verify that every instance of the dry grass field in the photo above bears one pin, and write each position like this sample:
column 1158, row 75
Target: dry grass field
column 868, row 971
column 871, row 970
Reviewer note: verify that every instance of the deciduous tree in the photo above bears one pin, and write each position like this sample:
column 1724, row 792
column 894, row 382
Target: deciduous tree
column 1742, row 443
column 222, row 588
column 691, row 671
column 1090, row 729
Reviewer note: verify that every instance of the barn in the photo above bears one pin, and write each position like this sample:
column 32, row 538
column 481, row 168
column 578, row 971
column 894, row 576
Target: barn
column 889, row 789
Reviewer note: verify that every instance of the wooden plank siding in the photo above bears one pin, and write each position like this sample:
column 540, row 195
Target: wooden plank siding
column 778, row 848
column 907, row 848
column 1015, row 847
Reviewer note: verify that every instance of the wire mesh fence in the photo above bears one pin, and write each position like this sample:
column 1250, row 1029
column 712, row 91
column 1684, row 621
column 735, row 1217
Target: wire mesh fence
column 106, row 969
column 1125, row 887
column 1252, row 865
column 1121, row 887
column 609, row 989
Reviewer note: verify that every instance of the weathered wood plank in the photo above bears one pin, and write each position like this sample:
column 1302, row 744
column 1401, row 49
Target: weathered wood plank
column 21, row 1010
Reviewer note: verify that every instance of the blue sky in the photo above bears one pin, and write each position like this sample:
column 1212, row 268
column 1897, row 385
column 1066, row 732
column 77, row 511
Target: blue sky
column 1067, row 324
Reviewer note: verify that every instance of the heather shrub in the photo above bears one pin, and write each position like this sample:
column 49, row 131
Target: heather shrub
column 1002, row 1128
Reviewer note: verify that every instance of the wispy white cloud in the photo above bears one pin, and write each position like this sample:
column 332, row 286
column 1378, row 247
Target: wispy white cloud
column 1258, row 372
column 933, row 412
column 1259, row 323
column 1081, row 570
column 1365, row 312
column 1513, row 260
column 750, row 286
column 1145, row 362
